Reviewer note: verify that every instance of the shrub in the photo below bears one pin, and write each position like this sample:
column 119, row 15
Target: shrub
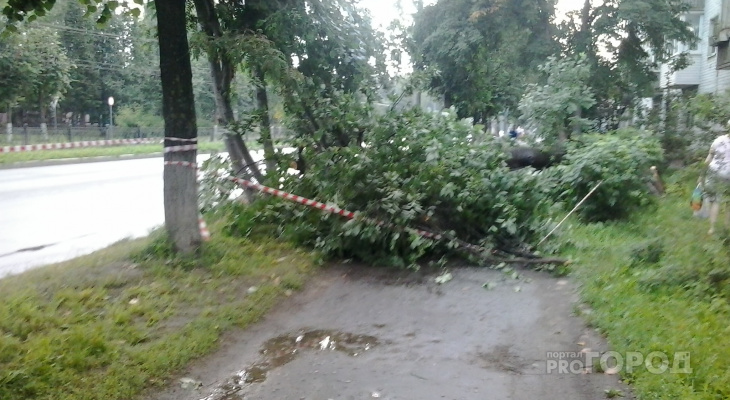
column 621, row 160
column 134, row 116
column 414, row 170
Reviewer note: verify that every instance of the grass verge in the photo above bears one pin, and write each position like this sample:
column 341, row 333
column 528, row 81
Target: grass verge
column 660, row 283
column 111, row 151
column 119, row 321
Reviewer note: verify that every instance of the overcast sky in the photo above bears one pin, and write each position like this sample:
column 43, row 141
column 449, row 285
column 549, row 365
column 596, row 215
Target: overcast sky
column 384, row 11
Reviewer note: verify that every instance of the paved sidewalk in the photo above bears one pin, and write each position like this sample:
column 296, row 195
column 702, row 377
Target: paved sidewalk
column 361, row 333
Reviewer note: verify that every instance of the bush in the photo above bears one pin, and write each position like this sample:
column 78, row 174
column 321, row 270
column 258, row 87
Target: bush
column 414, row 170
column 134, row 116
column 621, row 160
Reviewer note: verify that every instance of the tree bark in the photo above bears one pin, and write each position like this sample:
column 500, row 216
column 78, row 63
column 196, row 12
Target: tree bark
column 262, row 100
column 178, row 110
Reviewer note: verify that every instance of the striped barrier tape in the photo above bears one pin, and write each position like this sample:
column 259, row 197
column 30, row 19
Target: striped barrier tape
column 204, row 232
column 174, row 139
column 182, row 164
column 185, row 147
column 351, row 215
column 73, row 145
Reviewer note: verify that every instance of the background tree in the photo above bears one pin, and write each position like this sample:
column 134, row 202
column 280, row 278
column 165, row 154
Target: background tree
column 51, row 73
column 308, row 51
column 16, row 71
column 484, row 51
column 35, row 70
column 555, row 105
column 625, row 41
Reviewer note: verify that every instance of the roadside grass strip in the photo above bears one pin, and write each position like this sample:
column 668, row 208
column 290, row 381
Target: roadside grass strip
column 125, row 319
column 87, row 152
column 72, row 145
column 659, row 283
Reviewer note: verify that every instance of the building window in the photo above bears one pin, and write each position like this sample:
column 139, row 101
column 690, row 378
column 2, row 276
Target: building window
column 695, row 21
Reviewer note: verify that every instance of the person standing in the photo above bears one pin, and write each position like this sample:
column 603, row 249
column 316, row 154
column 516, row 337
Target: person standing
column 717, row 178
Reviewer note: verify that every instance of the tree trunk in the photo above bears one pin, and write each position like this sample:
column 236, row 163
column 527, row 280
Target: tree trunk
column 262, row 101
column 178, row 111
column 222, row 71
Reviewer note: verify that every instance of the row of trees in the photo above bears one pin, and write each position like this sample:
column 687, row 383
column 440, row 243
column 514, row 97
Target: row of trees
column 68, row 60
column 605, row 57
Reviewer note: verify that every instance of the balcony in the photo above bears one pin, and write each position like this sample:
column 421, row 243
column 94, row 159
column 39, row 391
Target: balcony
column 683, row 79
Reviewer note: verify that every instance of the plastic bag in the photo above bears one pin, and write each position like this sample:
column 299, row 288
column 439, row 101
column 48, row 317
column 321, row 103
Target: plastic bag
column 703, row 212
column 696, row 200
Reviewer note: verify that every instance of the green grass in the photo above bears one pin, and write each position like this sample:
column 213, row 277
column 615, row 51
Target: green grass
column 111, row 151
column 659, row 283
column 122, row 320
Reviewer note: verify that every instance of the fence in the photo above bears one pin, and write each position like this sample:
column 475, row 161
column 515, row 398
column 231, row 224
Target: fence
column 26, row 135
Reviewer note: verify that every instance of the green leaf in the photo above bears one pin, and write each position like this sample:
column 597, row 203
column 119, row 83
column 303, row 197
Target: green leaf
column 443, row 278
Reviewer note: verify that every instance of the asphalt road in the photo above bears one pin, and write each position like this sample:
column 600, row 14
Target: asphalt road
column 57, row 212
column 54, row 213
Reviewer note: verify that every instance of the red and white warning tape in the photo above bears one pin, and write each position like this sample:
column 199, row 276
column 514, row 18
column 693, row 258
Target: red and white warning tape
column 182, row 164
column 348, row 214
column 185, row 147
column 204, row 232
column 73, row 145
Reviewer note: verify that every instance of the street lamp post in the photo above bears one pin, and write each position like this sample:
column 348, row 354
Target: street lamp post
column 110, row 101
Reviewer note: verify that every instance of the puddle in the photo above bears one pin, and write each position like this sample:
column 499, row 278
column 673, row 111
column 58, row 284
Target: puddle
column 283, row 349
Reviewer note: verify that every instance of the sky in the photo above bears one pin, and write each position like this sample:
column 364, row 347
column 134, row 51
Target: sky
column 384, row 11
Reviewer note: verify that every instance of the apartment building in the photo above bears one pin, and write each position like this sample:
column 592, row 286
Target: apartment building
column 709, row 71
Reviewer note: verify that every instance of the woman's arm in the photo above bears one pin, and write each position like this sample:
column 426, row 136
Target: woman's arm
column 711, row 154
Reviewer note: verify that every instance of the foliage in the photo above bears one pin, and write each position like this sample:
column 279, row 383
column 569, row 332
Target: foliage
column 24, row 10
column 134, row 116
column 709, row 108
column 710, row 115
column 214, row 189
column 562, row 97
column 678, row 302
column 36, row 69
column 619, row 160
column 484, row 51
column 413, row 170
column 16, row 71
column 625, row 43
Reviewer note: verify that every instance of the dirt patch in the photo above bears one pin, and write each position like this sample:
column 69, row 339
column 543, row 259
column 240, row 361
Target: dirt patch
column 457, row 340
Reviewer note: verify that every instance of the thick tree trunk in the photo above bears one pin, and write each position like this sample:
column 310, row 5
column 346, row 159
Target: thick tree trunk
column 178, row 110
column 262, row 100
